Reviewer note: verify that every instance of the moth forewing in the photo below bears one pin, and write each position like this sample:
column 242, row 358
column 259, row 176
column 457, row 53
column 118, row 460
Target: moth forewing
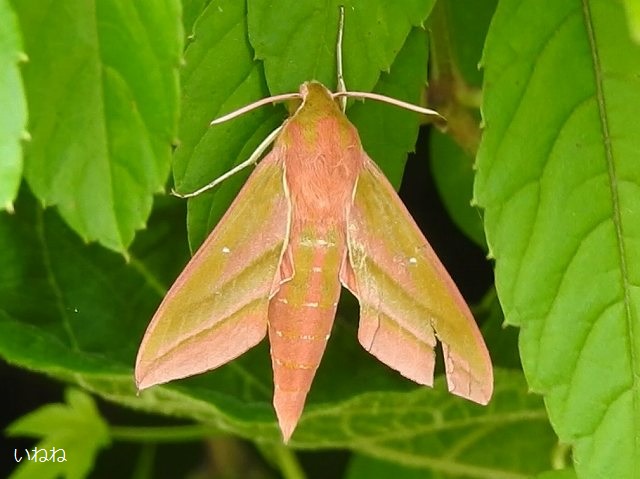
column 217, row 308
column 406, row 294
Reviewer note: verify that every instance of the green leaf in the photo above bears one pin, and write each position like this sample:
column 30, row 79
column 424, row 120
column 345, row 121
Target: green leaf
column 452, row 443
column 297, row 40
column 219, row 76
column 559, row 180
column 361, row 467
column 364, row 467
column 92, row 305
column 467, row 24
column 13, row 117
column 74, row 431
column 102, row 88
column 191, row 11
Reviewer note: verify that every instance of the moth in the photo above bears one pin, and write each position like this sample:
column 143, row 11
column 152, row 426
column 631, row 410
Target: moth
column 316, row 214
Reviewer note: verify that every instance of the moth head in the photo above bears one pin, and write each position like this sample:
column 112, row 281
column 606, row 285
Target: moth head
column 315, row 99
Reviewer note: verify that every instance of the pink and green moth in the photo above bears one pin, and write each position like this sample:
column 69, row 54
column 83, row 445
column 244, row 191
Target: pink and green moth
column 315, row 214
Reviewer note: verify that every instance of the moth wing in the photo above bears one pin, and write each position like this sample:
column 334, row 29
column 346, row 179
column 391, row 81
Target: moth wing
column 406, row 296
column 217, row 308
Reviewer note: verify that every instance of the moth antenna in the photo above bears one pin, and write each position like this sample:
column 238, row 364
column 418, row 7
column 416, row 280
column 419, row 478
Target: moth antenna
column 342, row 87
column 254, row 105
column 255, row 156
column 389, row 100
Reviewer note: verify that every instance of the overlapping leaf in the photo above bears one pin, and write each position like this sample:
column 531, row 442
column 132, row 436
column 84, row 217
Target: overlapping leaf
column 102, row 87
column 297, row 40
column 559, row 180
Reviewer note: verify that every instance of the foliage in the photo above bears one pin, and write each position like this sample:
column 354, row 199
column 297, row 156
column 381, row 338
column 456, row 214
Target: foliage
column 102, row 99
column 75, row 427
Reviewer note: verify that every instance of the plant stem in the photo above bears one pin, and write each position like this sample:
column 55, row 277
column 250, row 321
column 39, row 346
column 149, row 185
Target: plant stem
column 448, row 91
column 284, row 459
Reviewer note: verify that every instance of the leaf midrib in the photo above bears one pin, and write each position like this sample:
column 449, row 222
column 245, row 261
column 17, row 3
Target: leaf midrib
column 615, row 202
